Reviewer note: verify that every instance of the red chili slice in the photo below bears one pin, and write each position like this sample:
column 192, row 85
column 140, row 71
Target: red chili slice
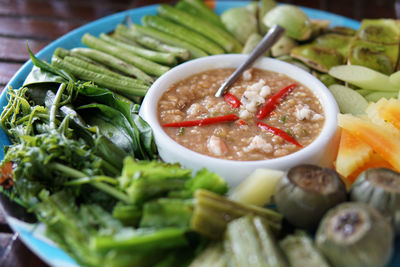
column 274, row 100
column 278, row 132
column 206, row 121
column 232, row 100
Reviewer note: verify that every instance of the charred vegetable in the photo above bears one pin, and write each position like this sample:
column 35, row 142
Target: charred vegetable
column 306, row 192
column 355, row 234
column 379, row 188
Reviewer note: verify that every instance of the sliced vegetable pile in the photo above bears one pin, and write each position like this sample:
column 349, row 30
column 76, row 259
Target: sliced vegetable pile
column 86, row 165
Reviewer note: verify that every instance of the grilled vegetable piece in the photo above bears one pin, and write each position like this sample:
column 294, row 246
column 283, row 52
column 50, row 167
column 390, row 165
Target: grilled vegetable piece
column 213, row 255
column 380, row 188
column 240, row 22
column 382, row 31
column 258, row 188
column 300, row 251
column 379, row 57
column 213, row 212
column 292, row 18
column 342, row 30
column 306, row 192
column 335, row 41
column 355, row 234
column 363, row 77
column 318, row 57
column 250, row 242
column 348, row 100
column 319, row 26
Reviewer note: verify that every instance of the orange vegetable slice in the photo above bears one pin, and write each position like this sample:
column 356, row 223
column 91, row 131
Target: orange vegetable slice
column 382, row 138
column 375, row 161
column 352, row 154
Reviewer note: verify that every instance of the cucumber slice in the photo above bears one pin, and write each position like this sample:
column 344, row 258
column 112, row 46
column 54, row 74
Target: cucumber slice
column 375, row 96
column 362, row 77
column 394, row 79
column 257, row 188
column 348, row 100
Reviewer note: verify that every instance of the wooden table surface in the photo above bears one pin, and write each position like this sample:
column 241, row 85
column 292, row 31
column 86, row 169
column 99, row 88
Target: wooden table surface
column 42, row 21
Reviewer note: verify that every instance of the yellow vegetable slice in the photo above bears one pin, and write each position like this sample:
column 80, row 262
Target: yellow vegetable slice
column 258, row 187
column 352, row 154
column 391, row 112
column 382, row 138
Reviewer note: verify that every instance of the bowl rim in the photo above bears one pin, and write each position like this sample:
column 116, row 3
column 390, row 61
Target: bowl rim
column 150, row 115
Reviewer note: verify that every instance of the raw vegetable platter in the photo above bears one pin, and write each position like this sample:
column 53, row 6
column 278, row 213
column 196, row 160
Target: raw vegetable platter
column 33, row 235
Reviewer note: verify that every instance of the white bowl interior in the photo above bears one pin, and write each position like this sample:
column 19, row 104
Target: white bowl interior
column 321, row 151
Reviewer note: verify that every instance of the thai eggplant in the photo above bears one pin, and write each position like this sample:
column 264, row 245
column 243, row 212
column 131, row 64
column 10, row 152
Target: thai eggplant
column 292, row 18
column 306, row 192
column 379, row 188
column 355, row 234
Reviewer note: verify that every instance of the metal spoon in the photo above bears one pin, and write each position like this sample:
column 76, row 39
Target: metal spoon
column 266, row 43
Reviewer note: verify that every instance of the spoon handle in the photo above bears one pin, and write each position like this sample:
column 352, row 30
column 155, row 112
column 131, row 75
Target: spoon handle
column 266, row 43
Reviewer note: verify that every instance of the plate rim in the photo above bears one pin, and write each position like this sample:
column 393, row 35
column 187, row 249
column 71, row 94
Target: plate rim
column 19, row 76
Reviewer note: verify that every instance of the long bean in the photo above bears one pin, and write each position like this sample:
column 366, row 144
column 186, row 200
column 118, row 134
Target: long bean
column 150, row 42
column 169, row 39
column 182, row 33
column 126, row 88
column 146, row 65
column 113, row 62
column 163, row 58
column 215, row 33
column 205, row 10
column 102, row 70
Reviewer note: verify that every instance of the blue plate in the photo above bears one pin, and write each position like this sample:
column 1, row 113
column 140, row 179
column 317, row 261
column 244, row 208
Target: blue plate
column 32, row 235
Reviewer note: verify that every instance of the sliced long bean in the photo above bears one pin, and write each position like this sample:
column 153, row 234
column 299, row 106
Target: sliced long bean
column 102, row 70
column 205, row 10
column 169, row 39
column 113, row 62
column 146, row 65
column 182, row 33
column 198, row 12
column 126, row 88
column 163, row 58
column 215, row 33
column 150, row 42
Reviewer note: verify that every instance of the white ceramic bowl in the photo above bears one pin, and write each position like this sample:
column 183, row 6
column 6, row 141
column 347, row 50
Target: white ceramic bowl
column 320, row 152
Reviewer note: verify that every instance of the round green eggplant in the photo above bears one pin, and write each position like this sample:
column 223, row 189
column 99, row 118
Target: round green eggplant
column 380, row 188
column 354, row 234
column 307, row 192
